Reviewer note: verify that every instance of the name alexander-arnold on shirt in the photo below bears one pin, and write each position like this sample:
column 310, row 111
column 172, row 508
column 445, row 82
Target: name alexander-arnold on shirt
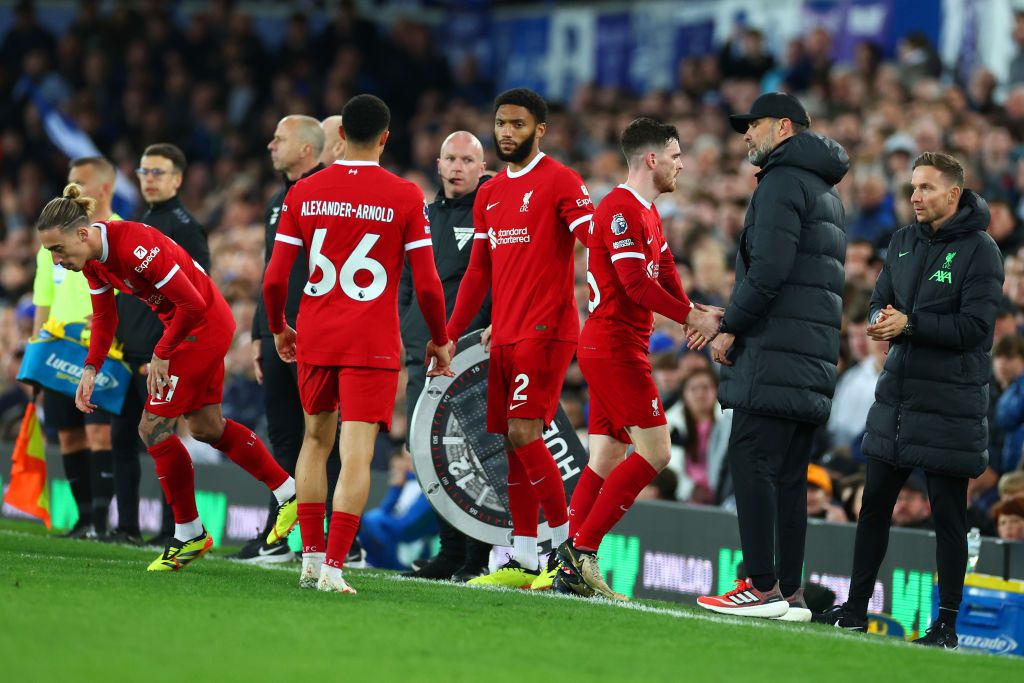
column 384, row 214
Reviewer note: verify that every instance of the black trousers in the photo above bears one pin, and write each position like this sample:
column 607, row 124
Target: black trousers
column 768, row 458
column 286, row 423
column 126, row 445
column 456, row 547
column 948, row 496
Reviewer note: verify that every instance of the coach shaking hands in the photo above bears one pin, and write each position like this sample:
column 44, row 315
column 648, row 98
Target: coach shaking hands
column 935, row 302
column 779, row 342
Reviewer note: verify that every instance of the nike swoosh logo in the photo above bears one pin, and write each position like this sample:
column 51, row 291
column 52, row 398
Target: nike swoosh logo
column 516, row 405
column 106, row 475
column 650, row 240
column 903, row 253
column 491, row 206
column 534, row 483
column 264, row 553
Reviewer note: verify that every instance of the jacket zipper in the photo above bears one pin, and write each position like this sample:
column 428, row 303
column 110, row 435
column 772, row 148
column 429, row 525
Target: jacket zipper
column 903, row 368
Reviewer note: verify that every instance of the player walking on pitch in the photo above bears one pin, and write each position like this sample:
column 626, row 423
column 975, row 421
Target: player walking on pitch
column 527, row 219
column 357, row 223
column 631, row 272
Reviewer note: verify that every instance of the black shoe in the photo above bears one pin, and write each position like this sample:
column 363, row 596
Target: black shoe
column 468, row 573
column 569, row 579
column 356, row 558
column 939, row 634
column 123, row 537
column 258, row 551
column 81, row 530
column 438, row 568
column 840, row 617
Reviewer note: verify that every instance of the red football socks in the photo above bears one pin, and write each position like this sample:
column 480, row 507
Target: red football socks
column 177, row 478
column 583, row 497
column 620, row 489
column 546, row 481
column 522, row 501
column 311, row 526
column 343, row 530
column 245, row 449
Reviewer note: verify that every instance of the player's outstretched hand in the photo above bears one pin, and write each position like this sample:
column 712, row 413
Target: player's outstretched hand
column 83, row 395
column 439, row 360
column 485, row 339
column 285, row 343
column 695, row 341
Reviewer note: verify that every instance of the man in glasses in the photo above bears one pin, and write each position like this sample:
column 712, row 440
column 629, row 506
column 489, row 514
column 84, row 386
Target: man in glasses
column 160, row 173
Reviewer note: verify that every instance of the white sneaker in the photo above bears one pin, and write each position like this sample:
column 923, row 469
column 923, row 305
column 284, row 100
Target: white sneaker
column 331, row 581
column 310, row 574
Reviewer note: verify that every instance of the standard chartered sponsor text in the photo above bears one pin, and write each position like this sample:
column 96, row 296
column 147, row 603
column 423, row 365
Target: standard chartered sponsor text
column 511, row 236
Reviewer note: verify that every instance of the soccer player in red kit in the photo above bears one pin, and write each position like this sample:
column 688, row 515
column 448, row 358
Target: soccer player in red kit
column 357, row 223
column 631, row 272
column 186, row 373
column 527, row 219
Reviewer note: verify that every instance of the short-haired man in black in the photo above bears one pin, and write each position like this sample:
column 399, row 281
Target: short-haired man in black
column 461, row 166
column 160, row 172
column 295, row 153
column 935, row 302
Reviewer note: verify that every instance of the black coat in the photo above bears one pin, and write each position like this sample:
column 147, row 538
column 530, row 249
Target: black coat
column 931, row 401
column 300, row 271
column 786, row 307
column 451, row 234
column 138, row 327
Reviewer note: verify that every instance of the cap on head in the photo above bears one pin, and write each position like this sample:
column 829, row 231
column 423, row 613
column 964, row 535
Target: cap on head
column 775, row 105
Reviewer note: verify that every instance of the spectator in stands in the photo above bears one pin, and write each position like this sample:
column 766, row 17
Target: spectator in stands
column 403, row 518
column 1011, row 485
column 1008, row 363
column 820, row 504
column 699, row 432
column 1009, row 517
column 913, row 509
column 855, row 389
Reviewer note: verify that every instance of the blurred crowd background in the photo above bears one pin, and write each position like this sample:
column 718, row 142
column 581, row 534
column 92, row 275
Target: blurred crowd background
column 132, row 74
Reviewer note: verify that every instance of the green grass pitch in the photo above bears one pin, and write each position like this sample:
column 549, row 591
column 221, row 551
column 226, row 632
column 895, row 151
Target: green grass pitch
column 83, row 611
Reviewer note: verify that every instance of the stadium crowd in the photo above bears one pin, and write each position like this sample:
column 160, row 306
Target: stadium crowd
column 130, row 78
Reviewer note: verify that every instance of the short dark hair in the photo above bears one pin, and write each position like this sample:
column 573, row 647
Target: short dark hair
column 526, row 98
column 170, row 152
column 1010, row 346
column 948, row 166
column 645, row 133
column 364, row 118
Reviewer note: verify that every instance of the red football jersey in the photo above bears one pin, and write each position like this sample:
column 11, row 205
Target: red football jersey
column 529, row 218
column 141, row 261
column 626, row 226
column 356, row 221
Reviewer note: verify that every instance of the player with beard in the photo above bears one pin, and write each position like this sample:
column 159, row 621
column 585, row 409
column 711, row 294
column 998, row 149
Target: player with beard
column 526, row 221
column 632, row 274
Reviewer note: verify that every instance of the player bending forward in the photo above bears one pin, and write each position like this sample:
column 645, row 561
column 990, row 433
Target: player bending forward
column 186, row 373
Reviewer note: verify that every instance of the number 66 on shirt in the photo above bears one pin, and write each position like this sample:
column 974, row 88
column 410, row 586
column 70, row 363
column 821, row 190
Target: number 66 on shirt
column 357, row 223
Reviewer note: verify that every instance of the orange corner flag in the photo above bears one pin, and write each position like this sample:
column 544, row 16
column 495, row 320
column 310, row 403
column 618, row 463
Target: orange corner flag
column 28, row 490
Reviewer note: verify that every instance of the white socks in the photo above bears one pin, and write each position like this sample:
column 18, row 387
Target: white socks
column 559, row 535
column 188, row 530
column 285, row 491
column 333, row 574
column 524, row 551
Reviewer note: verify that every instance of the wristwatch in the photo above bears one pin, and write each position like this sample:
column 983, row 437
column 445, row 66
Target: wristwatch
column 908, row 329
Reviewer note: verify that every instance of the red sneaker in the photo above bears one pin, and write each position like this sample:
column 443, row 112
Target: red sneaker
column 747, row 601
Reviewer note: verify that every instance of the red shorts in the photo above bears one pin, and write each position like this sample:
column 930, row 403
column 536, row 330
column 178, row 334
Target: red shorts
column 197, row 380
column 622, row 394
column 525, row 381
column 361, row 394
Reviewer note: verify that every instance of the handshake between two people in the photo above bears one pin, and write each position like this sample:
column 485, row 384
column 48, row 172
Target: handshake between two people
column 702, row 328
